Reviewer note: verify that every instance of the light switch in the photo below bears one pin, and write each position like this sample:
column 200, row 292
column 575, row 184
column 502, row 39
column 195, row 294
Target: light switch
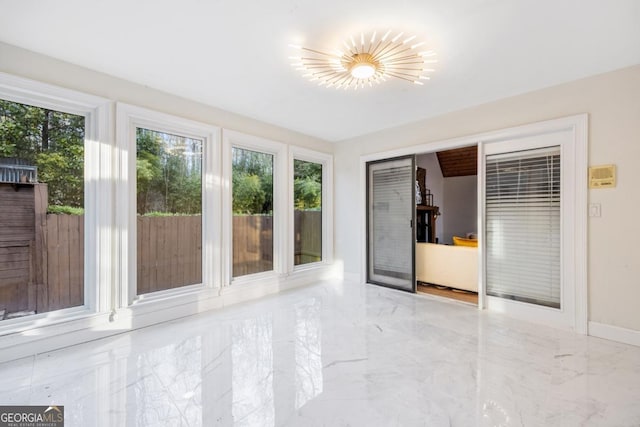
column 594, row 210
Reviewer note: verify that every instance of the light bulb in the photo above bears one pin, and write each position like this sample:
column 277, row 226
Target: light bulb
column 363, row 70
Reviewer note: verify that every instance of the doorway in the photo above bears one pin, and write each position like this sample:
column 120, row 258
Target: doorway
column 447, row 253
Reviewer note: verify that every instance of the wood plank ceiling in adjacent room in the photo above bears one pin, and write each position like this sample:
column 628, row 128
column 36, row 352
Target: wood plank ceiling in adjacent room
column 459, row 162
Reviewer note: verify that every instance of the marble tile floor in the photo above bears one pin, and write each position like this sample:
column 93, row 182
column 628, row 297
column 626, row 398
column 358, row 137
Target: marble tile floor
column 337, row 354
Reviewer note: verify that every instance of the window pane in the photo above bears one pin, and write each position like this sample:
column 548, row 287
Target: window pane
column 169, row 207
column 523, row 226
column 252, row 190
column 41, row 210
column 307, row 205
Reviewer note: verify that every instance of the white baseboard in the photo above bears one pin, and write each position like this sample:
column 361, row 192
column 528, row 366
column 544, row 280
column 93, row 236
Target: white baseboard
column 351, row 277
column 614, row 333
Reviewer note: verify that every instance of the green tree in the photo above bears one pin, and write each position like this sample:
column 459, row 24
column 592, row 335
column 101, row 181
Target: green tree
column 20, row 130
column 148, row 169
column 308, row 193
column 252, row 182
column 183, row 187
column 307, row 185
column 168, row 173
column 51, row 140
column 248, row 194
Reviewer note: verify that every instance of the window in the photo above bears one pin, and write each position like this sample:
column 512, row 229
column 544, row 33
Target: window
column 252, row 193
column 169, row 210
column 311, row 225
column 55, row 154
column 307, row 211
column 41, row 210
column 255, row 215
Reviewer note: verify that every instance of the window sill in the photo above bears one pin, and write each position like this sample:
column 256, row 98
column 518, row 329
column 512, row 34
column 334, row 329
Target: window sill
column 30, row 325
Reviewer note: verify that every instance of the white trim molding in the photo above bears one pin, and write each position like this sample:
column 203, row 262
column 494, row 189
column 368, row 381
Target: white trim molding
column 281, row 217
column 129, row 118
column 326, row 160
column 564, row 139
column 98, row 172
column 614, row 333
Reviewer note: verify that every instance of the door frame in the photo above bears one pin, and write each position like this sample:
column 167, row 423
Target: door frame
column 412, row 225
column 578, row 125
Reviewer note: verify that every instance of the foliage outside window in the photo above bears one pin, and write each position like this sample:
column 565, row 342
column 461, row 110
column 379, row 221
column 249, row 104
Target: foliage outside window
column 169, row 207
column 252, row 199
column 307, row 194
column 50, row 140
column 41, row 210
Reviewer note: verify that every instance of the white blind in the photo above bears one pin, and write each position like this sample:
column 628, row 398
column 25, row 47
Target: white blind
column 523, row 226
column 391, row 193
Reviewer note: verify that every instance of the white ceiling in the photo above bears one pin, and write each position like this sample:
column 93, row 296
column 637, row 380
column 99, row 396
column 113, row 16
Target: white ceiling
column 233, row 54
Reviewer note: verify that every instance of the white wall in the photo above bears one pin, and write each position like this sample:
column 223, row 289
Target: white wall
column 434, row 182
column 460, row 207
column 612, row 101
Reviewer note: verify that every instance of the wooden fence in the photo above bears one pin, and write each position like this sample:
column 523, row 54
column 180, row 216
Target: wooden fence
column 308, row 236
column 17, row 230
column 252, row 244
column 169, row 252
column 253, row 241
column 42, row 261
column 41, row 256
column 62, row 263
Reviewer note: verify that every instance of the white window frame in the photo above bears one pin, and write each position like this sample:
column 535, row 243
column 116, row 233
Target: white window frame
column 569, row 315
column 98, row 204
column 129, row 118
column 326, row 160
column 281, row 215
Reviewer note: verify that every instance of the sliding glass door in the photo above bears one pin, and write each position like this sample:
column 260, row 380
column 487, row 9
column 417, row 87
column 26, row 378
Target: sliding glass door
column 529, row 209
column 523, row 226
column 390, row 219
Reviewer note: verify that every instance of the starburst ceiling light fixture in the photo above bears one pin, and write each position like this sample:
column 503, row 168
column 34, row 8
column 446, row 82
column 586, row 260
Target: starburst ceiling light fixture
column 366, row 61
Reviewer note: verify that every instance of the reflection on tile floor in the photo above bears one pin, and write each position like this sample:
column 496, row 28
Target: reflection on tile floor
column 336, row 355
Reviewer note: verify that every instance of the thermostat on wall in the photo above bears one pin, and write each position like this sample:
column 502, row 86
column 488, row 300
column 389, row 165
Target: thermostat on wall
column 602, row 176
